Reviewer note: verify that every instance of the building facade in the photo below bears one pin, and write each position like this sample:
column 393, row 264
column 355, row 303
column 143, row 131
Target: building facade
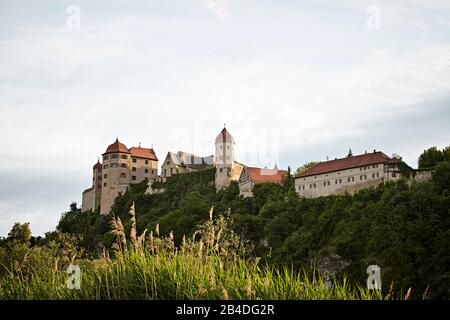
column 251, row 176
column 120, row 168
column 181, row 162
column 348, row 174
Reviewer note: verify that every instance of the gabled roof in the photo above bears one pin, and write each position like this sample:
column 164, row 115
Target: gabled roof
column 263, row 175
column 190, row 160
column 144, row 153
column 345, row 163
column 116, row 147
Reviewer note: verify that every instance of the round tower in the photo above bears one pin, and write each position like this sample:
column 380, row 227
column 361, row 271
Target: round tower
column 224, row 158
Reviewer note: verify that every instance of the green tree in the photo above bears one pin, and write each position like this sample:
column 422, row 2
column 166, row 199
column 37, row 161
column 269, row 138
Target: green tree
column 430, row 157
column 20, row 233
column 305, row 167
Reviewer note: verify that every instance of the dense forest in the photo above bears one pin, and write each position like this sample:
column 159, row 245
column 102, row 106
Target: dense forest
column 403, row 227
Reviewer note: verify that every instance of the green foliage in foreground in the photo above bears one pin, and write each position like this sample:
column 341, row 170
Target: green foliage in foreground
column 209, row 266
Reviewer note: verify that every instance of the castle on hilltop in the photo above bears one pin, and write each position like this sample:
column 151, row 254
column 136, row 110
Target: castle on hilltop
column 121, row 167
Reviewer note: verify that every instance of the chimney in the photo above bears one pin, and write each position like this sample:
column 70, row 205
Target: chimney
column 374, row 150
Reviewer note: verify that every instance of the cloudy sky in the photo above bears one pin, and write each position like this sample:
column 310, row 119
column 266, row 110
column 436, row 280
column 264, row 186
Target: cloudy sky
column 294, row 81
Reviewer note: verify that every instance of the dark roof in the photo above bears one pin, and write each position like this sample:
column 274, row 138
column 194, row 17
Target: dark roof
column 98, row 165
column 345, row 163
column 88, row 190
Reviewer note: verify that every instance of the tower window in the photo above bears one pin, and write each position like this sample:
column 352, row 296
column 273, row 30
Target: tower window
column 134, row 160
column 123, row 165
column 124, row 156
column 105, row 166
column 146, row 170
column 104, row 184
column 133, row 169
column 123, row 175
column 105, row 176
column 133, row 177
column 146, row 161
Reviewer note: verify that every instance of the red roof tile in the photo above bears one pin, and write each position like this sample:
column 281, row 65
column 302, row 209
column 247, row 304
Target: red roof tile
column 261, row 175
column 143, row 153
column 116, row 147
column 345, row 163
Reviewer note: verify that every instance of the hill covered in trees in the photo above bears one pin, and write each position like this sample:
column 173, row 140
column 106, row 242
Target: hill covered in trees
column 403, row 227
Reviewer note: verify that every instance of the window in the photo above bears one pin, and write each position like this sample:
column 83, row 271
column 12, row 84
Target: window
column 113, row 165
column 299, row 188
column 340, row 180
column 378, row 174
column 133, row 169
column 123, row 165
column 146, row 170
column 221, row 170
column 133, row 177
column 123, row 175
column 353, row 179
column 104, row 184
column 328, row 182
column 99, row 186
column 360, row 169
column 348, row 180
column 146, row 161
column 335, row 181
column 360, row 177
column 171, row 170
column 314, row 185
column 324, row 183
column 105, row 166
column 365, row 177
column 124, row 156
column 394, row 175
column 105, row 157
column 310, row 186
column 114, row 156
column 134, row 160
column 373, row 175
column 303, row 187
column 105, row 176
column 165, row 172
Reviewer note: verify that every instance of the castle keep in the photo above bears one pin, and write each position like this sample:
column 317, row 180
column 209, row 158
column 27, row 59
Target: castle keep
column 121, row 167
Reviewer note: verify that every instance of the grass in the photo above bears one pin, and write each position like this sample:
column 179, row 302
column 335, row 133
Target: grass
column 210, row 265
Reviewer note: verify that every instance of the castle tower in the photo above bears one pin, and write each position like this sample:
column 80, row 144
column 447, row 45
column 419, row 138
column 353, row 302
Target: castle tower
column 224, row 156
column 97, row 185
column 116, row 177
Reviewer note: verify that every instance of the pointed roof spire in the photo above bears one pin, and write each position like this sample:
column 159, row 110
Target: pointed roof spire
column 350, row 153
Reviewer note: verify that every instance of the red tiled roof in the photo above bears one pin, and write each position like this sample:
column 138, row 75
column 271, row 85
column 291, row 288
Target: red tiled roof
column 345, row 163
column 116, row 147
column 143, row 153
column 261, row 175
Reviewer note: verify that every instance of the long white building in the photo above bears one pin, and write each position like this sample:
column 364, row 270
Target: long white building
column 348, row 174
